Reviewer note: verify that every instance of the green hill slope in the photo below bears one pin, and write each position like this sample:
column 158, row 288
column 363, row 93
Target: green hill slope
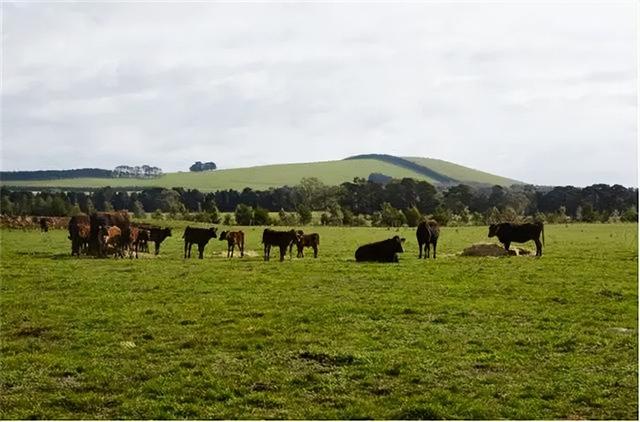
column 264, row 177
column 461, row 173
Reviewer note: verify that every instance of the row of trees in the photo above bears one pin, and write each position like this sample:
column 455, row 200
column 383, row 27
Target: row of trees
column 138, row 172
column 200, row 166
column 358, row 202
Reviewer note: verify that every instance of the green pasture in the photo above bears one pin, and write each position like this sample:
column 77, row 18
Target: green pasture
column 326, row 338
column 264, row 177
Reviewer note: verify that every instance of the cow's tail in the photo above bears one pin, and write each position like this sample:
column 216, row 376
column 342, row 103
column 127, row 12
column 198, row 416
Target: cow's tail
column 542, row 224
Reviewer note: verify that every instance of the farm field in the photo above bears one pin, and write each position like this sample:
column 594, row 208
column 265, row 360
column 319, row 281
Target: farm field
column 326, row 338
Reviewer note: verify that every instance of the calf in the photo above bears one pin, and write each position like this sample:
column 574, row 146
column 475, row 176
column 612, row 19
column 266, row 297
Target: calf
column 156, row 234
column 427, row 234
column 307, row 241
column 111, row 241
column 198, row 236
column 383, row 251
column 283, row 240
column 519, row 233
column 233, row 239
column 44, row 224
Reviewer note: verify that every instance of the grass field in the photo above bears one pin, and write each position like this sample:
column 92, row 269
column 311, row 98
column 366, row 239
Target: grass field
column 264, row 177
column 464, row 338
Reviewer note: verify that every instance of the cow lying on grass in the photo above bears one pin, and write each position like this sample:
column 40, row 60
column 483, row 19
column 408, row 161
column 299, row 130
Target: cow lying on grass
column 383, row 251
column 519, row 233
column 233, row 239
column 198, row 236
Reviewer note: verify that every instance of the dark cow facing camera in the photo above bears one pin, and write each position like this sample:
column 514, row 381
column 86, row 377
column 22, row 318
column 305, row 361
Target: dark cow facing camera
column 519, row 233
column 383, row 251
column 198, row 236
column 233, row 239
column 311, row 240
column 427, row 234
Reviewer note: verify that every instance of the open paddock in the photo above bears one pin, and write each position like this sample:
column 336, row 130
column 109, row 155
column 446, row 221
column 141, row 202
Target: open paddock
column 328, row 338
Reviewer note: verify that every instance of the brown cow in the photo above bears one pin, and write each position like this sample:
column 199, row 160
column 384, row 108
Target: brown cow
column 102, row 220
column 137, row 237
column 307, row 241
column 111, row 239
column 233, row 239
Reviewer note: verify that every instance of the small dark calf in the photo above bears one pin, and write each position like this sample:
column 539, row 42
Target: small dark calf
column 383, row 251
column 311, row 240
column 519, row 233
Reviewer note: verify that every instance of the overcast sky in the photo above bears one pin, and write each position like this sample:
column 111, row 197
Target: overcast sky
column 540, row 92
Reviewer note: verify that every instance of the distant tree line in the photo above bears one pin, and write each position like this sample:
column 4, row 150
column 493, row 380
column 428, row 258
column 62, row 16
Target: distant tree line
column 144, row 171
column 360, row 202
column 139, row 172
column 54, row 174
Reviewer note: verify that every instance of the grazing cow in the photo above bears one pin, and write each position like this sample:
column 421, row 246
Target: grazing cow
column 198, row 236
column 44, row 224
column 233, row 239
column 307, row 241
column 427, row 234
column 97, row 220
column 75, row 224
column 520, row 233
column 383, row 251
column 283, row 240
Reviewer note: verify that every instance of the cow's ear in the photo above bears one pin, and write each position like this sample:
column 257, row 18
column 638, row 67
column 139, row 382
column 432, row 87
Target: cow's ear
column 402, row 240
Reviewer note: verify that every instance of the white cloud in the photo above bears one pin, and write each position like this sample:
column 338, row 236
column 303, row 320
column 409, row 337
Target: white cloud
column 550, row 88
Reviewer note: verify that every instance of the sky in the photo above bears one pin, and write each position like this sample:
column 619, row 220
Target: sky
column 542, row 92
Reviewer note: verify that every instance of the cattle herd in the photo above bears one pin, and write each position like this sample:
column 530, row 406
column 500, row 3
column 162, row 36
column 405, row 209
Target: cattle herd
column 112, row 233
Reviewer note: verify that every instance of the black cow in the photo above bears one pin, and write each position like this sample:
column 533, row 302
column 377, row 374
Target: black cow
column 383, row 251
column 283, row 240
column 44, row 224
column 77, row 226
column 198, row 236
column 427, row 234
column 158, row 235
column 519, row 233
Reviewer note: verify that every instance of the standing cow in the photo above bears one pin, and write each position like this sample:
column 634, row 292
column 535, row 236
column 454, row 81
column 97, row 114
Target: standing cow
column 283, row 240
column 311, row 240
column 383, row 251
column 233, row 239
column 519, row 233
column 427, row 234
column 78, row 232
column 198, row 236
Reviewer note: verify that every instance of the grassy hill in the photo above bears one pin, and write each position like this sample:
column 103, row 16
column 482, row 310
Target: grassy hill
column 264, row 177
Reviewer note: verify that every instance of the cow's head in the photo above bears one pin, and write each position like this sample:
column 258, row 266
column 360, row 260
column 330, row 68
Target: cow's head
column 212, row 232
column 397, row 242
column 223, row 235
column 167, row 232
column 494, row 229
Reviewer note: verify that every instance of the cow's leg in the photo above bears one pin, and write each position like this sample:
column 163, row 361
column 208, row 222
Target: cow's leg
column 538, row 247
column 434, row 249
column 283, row 252
column 241, row 246
column 233, row 248
column 506, row 246
column 200, row 250
column 315, row 251
column 266, row 252
column 427, row 250
column 419, row 250
column 157, row 247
